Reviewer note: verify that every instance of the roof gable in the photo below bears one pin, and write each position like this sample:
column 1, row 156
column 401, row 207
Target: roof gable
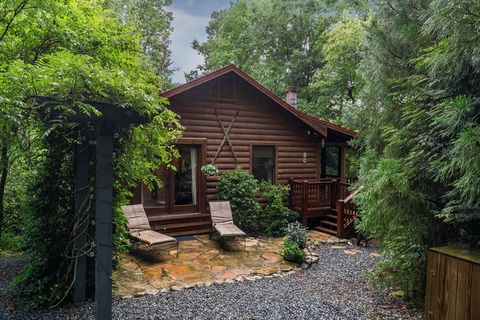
column 321, row 126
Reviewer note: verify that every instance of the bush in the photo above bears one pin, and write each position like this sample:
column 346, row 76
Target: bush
column 292, row 252
column 297, row 233
column 240, row 188
column 276, row 215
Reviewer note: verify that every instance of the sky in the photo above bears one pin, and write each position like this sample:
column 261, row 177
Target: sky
column 190, row 17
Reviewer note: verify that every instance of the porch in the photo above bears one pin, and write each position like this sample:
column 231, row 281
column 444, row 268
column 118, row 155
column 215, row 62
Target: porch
column 329, row 200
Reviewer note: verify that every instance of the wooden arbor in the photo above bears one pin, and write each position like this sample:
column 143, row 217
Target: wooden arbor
column 104, row 126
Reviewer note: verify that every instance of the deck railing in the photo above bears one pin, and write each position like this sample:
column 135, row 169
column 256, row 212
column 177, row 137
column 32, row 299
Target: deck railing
column 314, row 198
column 347, row 212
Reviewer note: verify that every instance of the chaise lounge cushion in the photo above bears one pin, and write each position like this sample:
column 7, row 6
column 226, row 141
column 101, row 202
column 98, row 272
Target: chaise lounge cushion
column 229, row 230
column 151, row 237
column 222, row 219
column 136, row 217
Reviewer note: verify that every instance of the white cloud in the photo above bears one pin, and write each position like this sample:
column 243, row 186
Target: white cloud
column 186, row 27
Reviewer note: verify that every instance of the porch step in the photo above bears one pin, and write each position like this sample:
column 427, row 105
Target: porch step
column 181, row 224
column 326, row 230
column 179, row 217
column 329, row 223
column 187, row 233
column 331, row 216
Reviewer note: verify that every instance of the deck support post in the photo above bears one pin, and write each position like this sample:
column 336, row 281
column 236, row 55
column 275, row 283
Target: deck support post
column 304, row 217
column 103, row 221
column 82, row 193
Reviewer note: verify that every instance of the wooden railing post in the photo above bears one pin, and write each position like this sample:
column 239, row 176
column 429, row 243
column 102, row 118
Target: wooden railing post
column 333, row 194
column 340, row 218
column 290, row 195
column 304, row 218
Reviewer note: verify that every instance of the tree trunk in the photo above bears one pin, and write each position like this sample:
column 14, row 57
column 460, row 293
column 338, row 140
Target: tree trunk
column 3, row 182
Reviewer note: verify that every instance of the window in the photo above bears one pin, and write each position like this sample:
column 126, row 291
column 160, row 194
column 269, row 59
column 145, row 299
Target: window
column 331, row 162
column 263, row 163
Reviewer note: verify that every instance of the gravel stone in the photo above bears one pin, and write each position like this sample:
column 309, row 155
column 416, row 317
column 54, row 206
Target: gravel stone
column 334, row 288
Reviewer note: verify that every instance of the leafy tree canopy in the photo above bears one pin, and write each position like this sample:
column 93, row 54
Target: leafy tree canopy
column 72, row 51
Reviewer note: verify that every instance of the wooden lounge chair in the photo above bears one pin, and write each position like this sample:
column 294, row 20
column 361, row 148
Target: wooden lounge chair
column 222, row 221
column 140, row 232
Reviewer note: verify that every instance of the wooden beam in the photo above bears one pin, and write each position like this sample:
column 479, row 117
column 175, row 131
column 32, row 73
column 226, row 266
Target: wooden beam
column 103, row 221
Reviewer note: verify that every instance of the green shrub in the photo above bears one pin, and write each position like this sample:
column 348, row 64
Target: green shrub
column 240, row 188
column 10, row 243
column 275, row 215
column 292, row 252
column 297, row 233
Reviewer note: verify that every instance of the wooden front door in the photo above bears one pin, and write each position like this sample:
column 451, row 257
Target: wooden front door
column 180, row 190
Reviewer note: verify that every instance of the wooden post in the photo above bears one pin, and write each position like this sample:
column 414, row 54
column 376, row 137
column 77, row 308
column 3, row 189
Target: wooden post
column 304, row 218
column 343, row 164
column 82, row 193
column 103, row 222
column 290, row 195
column 333, row 193
column 340, row 204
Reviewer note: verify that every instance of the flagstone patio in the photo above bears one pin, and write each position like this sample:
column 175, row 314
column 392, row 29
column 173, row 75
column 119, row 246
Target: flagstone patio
column 201, row 262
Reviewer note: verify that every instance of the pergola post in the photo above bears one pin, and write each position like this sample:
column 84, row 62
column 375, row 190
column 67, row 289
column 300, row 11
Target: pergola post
column 82, row 193
column 103, row 221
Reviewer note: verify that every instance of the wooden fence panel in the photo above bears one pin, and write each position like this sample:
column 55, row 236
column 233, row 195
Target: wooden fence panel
column 453, row 284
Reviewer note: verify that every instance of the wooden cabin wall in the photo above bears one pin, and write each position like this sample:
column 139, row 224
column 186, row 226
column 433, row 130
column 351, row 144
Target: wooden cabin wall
column 259, row 122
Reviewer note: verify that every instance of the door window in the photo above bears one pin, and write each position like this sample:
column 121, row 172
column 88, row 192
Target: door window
column 186, row 177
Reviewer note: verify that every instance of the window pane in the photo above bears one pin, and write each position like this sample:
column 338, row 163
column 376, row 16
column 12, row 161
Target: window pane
column 185, row 177
column 263, row 162
column 332, row 161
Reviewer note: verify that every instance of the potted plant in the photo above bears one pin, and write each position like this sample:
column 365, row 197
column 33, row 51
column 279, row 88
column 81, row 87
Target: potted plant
column 292, row 252
column 209, row 170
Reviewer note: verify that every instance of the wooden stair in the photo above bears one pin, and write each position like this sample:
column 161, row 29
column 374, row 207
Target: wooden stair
column 328, row 223
column 181, row 224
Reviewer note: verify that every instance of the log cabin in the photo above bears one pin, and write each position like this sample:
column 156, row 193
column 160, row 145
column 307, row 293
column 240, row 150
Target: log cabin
column 232, row 120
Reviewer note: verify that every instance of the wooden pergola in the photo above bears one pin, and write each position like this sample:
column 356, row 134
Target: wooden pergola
column 112, row 118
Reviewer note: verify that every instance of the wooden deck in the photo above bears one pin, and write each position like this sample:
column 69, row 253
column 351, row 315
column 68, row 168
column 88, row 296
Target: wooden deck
column 328, row 200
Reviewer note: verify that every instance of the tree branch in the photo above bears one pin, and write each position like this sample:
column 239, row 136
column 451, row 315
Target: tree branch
column 16, row 12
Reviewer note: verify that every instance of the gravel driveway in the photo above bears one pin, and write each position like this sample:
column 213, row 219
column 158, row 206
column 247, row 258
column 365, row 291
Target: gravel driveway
column 335, row 288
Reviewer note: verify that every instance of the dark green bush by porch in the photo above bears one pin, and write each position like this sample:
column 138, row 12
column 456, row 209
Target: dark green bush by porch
column 240, row 188
column 243, row 191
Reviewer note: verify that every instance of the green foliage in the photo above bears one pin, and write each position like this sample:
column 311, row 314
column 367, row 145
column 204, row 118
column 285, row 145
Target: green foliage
column 338, row 83
column 10, row 243
column 275, row 215
column 72, row 51
column 297, row 233
column 240, row 188
column 292, row 251
column 154, row 25
column 209, row 170
column 419, row 113
column 48, row 226
column 278, row 42
column 243, row 191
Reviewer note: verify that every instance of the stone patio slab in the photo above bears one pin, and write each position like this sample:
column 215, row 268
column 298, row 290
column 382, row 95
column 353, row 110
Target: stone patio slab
column 202, row 262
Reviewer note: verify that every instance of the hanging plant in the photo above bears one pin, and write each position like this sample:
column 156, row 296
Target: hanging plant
column 209, row 170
